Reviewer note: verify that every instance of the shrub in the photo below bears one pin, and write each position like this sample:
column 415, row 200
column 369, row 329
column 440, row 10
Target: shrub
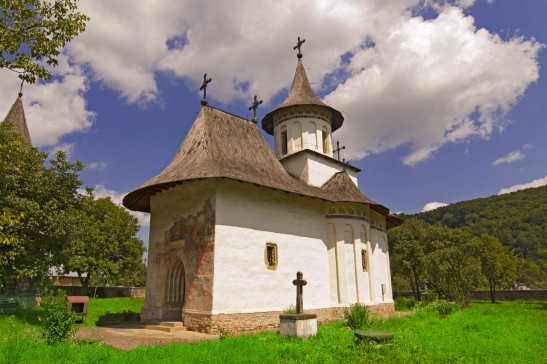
column 58, row 319
column 441, row 307
column 357, row 316
column 405, row 303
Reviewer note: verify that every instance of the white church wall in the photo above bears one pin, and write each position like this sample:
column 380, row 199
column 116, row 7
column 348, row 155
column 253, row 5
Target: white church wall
column 248, row 217
column 380, row 266
column 314, row 169
column 364, row 277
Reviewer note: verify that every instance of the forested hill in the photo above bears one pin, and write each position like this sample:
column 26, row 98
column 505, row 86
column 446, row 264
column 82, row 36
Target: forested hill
column 518, row 220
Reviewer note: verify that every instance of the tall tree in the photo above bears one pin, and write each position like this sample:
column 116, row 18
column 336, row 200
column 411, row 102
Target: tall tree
column 34, row 31
column 409, row 246
column 103, row 242
column 453, row 266
column 499, row 265
column 34, row 197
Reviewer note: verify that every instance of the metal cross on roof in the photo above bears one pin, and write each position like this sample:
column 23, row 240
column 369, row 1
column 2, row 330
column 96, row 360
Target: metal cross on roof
column 299, row 282
column 299, row 45
column 253, row 107
column 204, row 89
column 338, row 149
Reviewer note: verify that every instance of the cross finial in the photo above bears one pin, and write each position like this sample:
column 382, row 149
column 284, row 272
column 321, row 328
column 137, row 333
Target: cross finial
column 338, row 149
column 21, row 88
column 253, row 107
column 299, row 45
column 204, row 89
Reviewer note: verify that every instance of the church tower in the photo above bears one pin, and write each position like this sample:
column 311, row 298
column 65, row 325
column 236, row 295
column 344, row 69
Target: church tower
column 302, row 128
column 16, row 116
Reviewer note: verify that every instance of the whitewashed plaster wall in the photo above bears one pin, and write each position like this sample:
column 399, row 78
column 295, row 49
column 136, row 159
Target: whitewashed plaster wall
column 380, row 265
column 248, row 217
column 314, row 169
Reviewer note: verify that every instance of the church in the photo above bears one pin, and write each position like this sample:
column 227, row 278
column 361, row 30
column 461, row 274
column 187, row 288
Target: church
column 232, row 222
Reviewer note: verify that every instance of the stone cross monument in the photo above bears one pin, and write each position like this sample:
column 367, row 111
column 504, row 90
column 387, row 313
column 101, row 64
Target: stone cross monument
column 299, row 324
column 299, row 282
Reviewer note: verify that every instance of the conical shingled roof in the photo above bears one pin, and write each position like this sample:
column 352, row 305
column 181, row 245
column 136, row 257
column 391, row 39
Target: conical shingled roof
column 16, row 116
column 302, row 94
column 222, row 145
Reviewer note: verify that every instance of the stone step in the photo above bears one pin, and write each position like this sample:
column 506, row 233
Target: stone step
column 172, row 323
column 167, row 326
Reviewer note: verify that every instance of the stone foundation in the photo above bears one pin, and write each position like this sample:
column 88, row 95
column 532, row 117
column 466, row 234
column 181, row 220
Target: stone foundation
column 240, row 323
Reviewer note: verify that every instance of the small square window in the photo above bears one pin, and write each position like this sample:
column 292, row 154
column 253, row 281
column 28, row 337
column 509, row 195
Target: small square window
column 364, row 260
column 271, row 255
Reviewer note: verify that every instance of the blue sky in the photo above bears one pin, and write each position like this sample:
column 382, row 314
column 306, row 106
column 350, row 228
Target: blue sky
column 443, row 101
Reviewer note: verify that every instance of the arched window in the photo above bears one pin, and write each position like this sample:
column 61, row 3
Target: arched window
column 284, row 141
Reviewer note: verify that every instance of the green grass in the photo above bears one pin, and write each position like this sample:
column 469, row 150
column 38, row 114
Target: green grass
column 508, row 332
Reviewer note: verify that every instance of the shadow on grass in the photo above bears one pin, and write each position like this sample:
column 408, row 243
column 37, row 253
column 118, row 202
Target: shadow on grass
column 539, row 305
column 29, row 315
column 119, row 318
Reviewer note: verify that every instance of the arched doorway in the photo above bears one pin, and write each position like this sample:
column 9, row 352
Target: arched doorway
column 174, row 292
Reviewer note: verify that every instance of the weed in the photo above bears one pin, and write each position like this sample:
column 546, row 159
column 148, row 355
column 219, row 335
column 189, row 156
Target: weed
column 357, row 316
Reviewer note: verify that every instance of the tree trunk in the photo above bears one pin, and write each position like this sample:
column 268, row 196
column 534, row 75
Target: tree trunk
column 417, row 285
column 492, row 291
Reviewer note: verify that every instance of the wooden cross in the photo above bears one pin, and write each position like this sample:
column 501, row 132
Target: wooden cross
column 338, row 149
column 254, row 106
column 299, row 282
column 298, row 45
column 204, row 89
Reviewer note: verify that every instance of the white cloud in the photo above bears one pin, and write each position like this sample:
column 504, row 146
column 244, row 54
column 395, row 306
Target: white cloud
column 68, row 148
column 428, row 83
column 98, row 166
column 101, row 191
column 52, row 109
column 535, row 183
column 511, row 157
column 433, row 205
column 419, row 83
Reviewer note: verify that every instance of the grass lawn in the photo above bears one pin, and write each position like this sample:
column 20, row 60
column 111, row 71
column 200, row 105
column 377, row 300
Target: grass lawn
column 507, row 332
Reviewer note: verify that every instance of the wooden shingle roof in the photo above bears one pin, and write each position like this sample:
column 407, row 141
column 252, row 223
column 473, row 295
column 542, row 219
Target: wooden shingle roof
column 16, row 116
column 302, row 94
column 222, row 145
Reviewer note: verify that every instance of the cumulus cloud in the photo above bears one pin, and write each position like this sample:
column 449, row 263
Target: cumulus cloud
column 52, row 109
column 98, row 166
column 535, row 183
column 511, row 157
column 408, row 81
column 68, row 148
column 433, row 205
column 101, row 191
column 428, row 83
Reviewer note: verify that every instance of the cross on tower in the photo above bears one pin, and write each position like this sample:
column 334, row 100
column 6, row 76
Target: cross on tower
column 338, row 149
column 299, row 45
column 254, row 106
column 299, row 282
column 204, row 89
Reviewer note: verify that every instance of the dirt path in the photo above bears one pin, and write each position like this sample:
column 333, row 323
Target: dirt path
column 128, row 337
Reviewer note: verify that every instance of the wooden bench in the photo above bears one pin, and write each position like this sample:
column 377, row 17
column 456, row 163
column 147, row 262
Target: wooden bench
column 373, row 335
